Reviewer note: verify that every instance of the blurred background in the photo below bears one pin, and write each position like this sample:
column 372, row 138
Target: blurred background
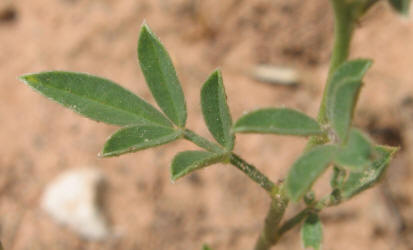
column 141, row 208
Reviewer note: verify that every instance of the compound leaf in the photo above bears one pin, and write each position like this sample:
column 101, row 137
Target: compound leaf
column 96, row 98
column 189, row 161
column 312, row 232
column 134, row 138
column 342, row 107
column 357, row 153
column 307, row 169
column 215, row 110
column 161, row 77
column 360, row 181
column 401, row 6
column 278, row 121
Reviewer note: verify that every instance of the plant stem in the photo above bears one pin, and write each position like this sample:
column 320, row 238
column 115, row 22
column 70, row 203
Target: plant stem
column 278, row 205
column 253, row 173
column 343, row 31
column 344, row 23
column 327, row 201
column 290, row 223
column 202, row 142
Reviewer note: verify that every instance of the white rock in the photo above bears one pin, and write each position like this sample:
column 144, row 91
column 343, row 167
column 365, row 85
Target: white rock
column 72, row 200
column 275, row 75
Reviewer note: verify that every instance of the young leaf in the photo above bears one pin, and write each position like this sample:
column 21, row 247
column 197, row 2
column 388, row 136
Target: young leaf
column 307, row 169
column 360, row 181
column 161, row 77
column 312, row 232
column 96, row 98
column 277, row 121
column 401, row 6
column 134, row 138
column 356, row 155
column 342, row 107
column 215, row 110
column 189, row 161
column 354, row 69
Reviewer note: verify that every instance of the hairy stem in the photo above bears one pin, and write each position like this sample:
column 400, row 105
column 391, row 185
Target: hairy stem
column 344, row 23
column 343, row 31
column 202, row 142
column 253, row 173
column 278, row 205
column 289, row 224
column 292, row 222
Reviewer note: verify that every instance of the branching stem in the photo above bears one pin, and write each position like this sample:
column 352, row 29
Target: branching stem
column 253, row 173
column 275, row 213
column 343, row 31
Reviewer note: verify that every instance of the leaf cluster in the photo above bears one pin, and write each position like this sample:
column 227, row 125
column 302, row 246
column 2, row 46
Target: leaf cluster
column 357, row 162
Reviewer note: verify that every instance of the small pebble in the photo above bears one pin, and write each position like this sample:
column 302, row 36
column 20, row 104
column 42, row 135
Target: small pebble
column 275, row 75
column 71, row 199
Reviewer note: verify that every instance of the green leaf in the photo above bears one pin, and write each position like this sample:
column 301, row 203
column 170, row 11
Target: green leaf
column 307, row 169
column 134, row 138
column 312, row 232
column 357, row 154
column 96, row 98
column 342, row 107
column 215, row 110
column 350, row 71
column 189, row 161
column 354, row 69
column 277, row 121
column 161, row 77
column 401, row 6
column 360, row 181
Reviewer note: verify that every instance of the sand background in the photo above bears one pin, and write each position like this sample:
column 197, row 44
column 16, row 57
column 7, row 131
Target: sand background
column 220, row 206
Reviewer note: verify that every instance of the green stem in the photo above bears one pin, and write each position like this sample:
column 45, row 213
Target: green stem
column 343, row 31
column 253, row 173
column 278, row 205
column 202, row 142
column 344, row 23
column 289, row 224
column 292, row 222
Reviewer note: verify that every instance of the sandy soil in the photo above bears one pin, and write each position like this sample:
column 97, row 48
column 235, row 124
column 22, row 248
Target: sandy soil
column 40, row 139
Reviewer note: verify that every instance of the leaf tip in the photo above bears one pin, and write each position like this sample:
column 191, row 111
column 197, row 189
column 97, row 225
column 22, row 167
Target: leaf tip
column 392, row 150
column 174, row 177
column 145, row 27
column 175, row 174
column 27, row 78
column 147, row 31
column 105, row 153
column 217, row 72
column 368, row 63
